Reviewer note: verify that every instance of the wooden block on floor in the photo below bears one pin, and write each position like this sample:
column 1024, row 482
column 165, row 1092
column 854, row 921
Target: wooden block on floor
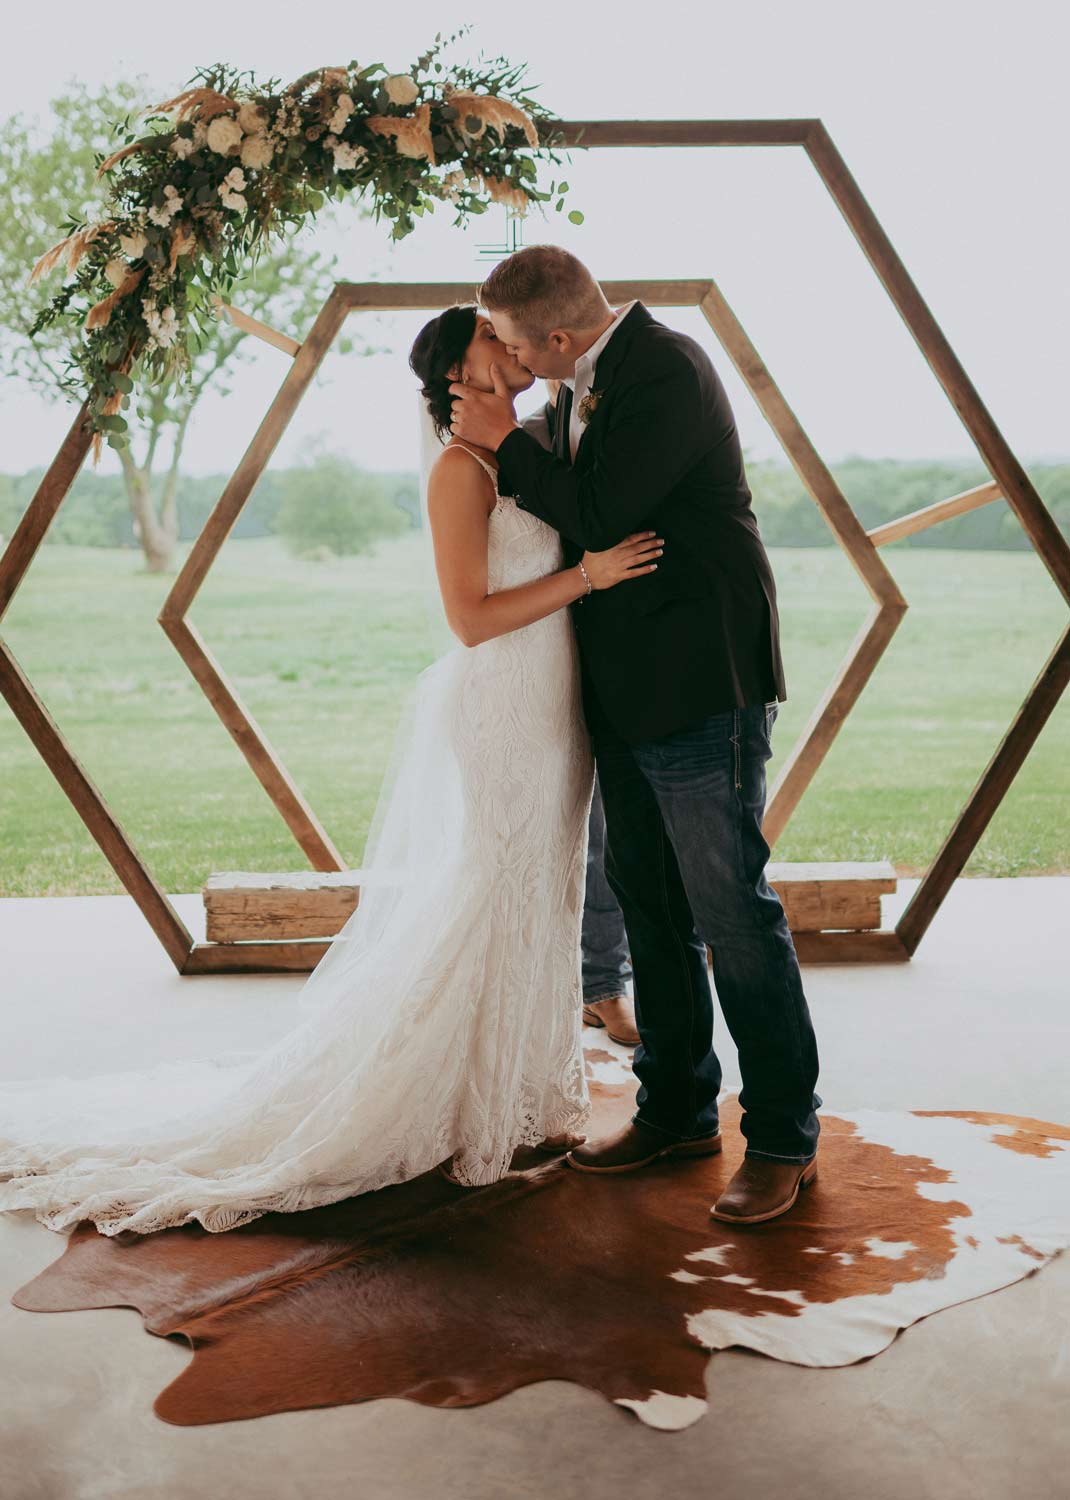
column 832, row 896
column 248, row 906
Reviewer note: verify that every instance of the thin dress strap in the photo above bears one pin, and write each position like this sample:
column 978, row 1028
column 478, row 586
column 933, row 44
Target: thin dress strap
column 489, row 467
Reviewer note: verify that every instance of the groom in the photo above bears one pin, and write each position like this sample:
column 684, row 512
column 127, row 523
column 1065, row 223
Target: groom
column 682, row 676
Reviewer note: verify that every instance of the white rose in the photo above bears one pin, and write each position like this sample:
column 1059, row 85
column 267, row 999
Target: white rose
column 401, row 89
column 161, row 323
column 182, row 146
column 256, row 152
column 236, row 202
column 116, row 270
column 167, row 330
column 134, row 244
column 252, row 118
column 224, row 134
column 235, row 179
column 346, row 157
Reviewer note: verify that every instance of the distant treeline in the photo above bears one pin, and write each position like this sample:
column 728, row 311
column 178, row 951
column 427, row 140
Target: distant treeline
column 336, row 505
column 879, row 490
column 330, row 504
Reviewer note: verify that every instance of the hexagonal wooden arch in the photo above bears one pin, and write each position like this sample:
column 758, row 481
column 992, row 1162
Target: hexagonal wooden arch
column 1009, row 480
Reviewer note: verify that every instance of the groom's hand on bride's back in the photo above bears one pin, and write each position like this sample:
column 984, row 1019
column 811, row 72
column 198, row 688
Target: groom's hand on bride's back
column 483, row 417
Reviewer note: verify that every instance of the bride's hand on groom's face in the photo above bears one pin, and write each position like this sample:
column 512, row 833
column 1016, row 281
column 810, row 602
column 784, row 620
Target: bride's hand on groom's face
column 483, row 417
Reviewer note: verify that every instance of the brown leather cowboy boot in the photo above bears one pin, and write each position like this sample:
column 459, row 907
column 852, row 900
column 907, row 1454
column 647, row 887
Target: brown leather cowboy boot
column 635, row 1146
column 617, row 1014
column 763, row 1189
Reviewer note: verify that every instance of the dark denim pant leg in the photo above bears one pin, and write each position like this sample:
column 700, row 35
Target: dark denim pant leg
column 678, row 1071
column 606, row 968
column 710, row 786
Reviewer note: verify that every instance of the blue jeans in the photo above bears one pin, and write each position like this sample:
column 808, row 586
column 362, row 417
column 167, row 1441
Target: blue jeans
column 606, row 969
column 686, row 859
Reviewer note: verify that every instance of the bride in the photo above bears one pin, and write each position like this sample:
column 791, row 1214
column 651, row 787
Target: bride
column 442, row 1026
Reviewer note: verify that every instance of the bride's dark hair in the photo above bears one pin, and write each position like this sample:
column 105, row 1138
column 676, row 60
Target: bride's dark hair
column 439, row 346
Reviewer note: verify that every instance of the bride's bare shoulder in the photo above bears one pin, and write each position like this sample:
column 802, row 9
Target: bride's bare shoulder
column 454, row 479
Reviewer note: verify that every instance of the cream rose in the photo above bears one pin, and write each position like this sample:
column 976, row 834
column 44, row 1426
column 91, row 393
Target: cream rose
column 256, row 152
column 343, row 108
column 401, row 89
column 252, row 118
column 224, row 135
column 171, row 205
column 134, row 244
column 116, row 270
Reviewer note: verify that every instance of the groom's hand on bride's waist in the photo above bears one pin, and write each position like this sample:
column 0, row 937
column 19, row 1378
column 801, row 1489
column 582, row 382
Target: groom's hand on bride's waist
column 485, row 418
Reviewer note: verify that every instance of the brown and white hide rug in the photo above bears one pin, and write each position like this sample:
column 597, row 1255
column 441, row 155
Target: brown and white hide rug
column 623, row 1284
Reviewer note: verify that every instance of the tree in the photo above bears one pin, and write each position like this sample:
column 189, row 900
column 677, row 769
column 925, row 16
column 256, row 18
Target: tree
column 46, row 178
column 329, row 506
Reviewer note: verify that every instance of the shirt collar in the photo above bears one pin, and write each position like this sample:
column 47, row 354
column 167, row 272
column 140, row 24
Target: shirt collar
column 585, row 363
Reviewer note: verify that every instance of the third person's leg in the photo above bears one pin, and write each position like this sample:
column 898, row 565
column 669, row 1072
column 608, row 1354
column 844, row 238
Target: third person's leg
column 606, row 965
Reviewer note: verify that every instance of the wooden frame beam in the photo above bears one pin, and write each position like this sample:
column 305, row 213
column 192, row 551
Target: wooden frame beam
column 931, row 515
column 1008, row 479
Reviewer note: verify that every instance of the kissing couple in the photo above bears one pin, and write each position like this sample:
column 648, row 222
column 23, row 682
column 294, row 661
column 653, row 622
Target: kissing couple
column 602, row 569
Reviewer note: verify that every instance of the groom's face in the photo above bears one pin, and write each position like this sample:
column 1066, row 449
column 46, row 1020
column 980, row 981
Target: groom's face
column 551, row 358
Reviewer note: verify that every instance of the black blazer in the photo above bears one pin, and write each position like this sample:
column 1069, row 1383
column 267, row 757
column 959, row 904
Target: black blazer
column 701, row 634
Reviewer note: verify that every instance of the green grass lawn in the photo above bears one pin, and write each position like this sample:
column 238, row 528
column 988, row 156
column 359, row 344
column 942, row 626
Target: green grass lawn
column 322, row 654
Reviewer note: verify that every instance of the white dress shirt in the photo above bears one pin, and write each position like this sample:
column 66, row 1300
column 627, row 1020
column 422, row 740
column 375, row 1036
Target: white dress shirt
column 580, row 383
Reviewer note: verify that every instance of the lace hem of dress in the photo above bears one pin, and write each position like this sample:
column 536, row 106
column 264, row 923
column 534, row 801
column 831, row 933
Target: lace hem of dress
column 474, row 1169
column 471, row 1166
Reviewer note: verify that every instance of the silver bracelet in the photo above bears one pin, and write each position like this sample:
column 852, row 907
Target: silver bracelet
column 586, row 579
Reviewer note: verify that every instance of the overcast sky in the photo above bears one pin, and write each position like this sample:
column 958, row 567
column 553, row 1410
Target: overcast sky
column 952, row 116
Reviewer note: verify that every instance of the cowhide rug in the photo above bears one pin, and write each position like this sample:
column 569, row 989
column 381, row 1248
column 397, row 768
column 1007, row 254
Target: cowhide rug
column 624, row 1284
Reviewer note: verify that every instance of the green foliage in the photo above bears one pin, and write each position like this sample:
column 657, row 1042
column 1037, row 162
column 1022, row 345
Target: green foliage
column 95, row 514
column 44, row 177
column 39, row 175
column 331, row 508
column 213, row 178
column 880, row 490
column 12, row 506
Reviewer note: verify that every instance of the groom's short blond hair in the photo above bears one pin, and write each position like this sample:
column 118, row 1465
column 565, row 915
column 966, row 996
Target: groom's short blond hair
column 543, row 287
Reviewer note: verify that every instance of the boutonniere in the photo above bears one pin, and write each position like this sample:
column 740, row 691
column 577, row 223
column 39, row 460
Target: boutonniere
column 588, row 405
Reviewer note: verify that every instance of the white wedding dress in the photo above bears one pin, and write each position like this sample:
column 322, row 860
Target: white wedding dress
column 445, row 1017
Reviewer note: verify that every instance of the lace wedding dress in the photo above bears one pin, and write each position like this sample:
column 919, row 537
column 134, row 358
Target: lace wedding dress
column 445, row 1017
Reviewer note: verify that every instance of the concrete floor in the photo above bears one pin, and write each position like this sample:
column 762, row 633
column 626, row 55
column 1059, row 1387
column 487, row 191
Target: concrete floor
column 970, row 1404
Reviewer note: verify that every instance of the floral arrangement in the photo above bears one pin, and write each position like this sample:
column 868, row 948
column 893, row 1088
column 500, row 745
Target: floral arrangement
column 227, row 163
